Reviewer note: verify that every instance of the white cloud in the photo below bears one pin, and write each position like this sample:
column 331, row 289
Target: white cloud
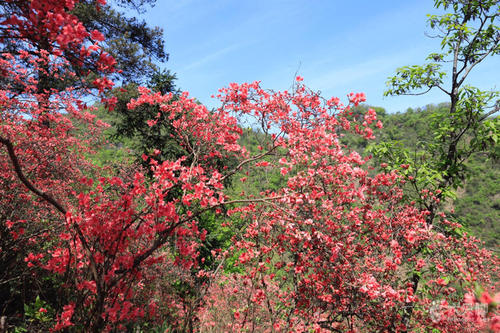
column 212, row 56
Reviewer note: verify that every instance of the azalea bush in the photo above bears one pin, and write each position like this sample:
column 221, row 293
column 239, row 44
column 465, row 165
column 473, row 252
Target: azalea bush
column 340, row 240
column 333, row 248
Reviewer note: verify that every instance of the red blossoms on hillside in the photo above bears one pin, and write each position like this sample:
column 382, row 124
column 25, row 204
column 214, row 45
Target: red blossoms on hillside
column 331, row 245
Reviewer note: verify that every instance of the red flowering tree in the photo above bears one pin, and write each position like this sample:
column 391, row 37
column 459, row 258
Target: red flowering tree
column 336, row 248
column 332, row 249
column 41, row 154
column 97, row 234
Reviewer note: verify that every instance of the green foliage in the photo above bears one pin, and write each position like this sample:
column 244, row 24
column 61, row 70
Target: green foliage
column 39, row 311
column 129, row 134
column 260, row 180
column 470, row 21
column 464, row 127
column 38, row 316
column 478, row 203
column 410, row 78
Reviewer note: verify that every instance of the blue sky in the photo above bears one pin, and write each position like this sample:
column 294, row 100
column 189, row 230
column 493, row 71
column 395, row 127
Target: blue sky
column 337, row 46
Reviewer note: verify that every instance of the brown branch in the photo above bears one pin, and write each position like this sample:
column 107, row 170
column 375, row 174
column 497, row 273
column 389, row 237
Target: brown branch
column 248, row 160
column 496, row 108
column 47, row 197
column 468, row 69
column 17, row 168
column 160, row 241
column 471, row 43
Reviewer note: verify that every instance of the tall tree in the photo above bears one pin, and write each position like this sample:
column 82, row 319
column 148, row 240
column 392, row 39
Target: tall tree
column 469, row 33
column 136, row 47
column 70, row 32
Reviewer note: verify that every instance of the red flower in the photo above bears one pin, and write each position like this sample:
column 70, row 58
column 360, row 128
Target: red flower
column 485, row 298
column 97, row 35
